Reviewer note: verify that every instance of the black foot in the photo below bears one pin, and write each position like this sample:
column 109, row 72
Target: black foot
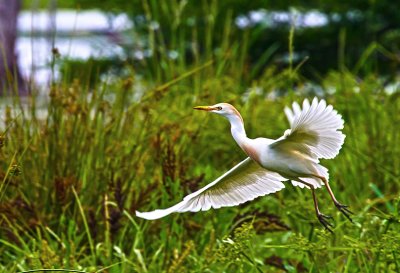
column 344, row 209
column 323, row 219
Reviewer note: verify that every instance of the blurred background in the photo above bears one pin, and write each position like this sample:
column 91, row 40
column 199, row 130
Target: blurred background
column 97, row 121
column 362, row 36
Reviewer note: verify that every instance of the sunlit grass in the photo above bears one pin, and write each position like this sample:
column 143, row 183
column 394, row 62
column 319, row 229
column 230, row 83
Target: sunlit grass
column 72, row 181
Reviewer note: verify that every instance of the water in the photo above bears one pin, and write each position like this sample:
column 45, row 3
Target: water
column 78, row 35
column 97, row 34
column 272, row 19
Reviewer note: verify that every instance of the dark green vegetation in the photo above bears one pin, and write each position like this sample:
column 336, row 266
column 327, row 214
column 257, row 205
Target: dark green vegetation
column 70, row 183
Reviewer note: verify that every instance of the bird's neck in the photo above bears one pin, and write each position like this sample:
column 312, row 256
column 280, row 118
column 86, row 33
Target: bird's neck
column 237, row 130
column 239, row 134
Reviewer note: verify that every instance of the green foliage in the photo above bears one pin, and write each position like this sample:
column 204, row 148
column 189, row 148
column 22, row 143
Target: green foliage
column 88, row 71
column 99, row 156
column 233, row 248
column 71, row 180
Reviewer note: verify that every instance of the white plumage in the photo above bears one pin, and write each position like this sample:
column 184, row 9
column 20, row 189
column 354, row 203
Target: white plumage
column 314, row 133
column 244, row 182
column 316, row 127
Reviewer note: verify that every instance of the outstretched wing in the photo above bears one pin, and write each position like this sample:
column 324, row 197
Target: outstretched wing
column 244, row 182
column 314, row 130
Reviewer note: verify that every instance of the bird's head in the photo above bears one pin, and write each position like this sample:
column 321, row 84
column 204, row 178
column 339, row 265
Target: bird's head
column 223, row 109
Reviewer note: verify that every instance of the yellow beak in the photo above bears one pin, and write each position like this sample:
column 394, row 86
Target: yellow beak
column 204, row 108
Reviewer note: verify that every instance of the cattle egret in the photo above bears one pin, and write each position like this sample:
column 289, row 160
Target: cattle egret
column 315, row 132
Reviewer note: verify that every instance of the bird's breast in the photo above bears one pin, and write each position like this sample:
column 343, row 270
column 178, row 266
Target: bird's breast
column 252, row 152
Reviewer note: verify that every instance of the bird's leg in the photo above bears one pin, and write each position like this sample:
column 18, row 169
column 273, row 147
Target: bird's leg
column 342, row 208
column 323, row 219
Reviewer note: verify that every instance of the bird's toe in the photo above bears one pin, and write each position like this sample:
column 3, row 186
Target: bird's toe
column 323, row 219
column 345, row 210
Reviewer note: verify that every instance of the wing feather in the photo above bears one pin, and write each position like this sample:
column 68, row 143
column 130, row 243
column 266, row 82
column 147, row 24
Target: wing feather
column 315, row 130
column 244, row 182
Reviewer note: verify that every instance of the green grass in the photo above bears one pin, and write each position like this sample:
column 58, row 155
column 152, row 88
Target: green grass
column 71, row 182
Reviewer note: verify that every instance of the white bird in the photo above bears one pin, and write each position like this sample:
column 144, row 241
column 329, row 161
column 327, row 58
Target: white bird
column 315, row 132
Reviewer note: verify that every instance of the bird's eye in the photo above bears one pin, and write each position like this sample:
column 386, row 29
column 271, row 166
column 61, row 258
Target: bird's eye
column 219, row 108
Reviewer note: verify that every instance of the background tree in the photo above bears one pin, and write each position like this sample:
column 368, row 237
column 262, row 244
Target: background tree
column 10, row 76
